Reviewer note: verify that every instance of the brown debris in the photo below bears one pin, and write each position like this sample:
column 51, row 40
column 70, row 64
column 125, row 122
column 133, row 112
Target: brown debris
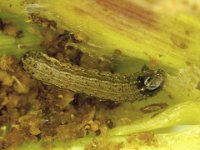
column 30, row 110
column 5, row 63
column 62, row 48
column 13, row 139
column 43, row 21
column 10, row 28
column 98, row 132
column 33, row 111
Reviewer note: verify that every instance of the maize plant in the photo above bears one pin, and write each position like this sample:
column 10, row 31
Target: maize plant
column 161, row 34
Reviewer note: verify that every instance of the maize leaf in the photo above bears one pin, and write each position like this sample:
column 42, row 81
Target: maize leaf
column 147, row 32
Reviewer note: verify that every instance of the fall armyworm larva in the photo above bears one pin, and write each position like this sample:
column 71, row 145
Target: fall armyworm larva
column 104, row 85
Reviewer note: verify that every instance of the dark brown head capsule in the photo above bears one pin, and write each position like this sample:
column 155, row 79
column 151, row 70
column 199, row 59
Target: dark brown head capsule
column 155, row 81
column 150, row 81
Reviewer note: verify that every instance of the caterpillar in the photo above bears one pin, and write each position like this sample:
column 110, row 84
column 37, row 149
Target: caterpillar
column 104, row 85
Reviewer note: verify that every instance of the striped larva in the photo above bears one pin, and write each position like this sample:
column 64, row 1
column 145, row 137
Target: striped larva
column 104, row 85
